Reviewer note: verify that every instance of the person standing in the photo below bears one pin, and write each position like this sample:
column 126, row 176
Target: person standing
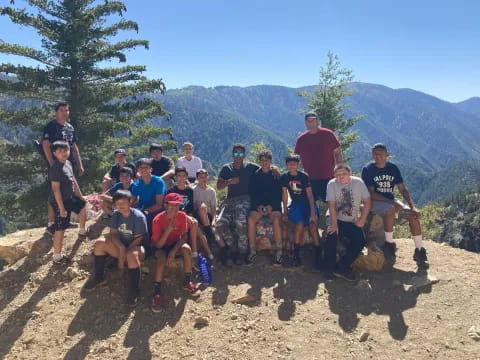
column 190, row 162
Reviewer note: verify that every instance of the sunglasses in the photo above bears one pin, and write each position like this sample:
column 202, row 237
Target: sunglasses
column 238, row 154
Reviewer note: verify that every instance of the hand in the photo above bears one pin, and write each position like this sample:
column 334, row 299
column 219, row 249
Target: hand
column 360, row 223
column 332, row 229
column 398, row 206
column 234, row 181
column 81, row 171
column 122, row 257
column 313, row 219
column 415, row 213
column 260, row 209
column 171, row 259
column 275, row 171
column 63, row 213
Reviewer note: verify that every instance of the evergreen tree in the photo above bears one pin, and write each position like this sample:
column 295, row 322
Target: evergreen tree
column 328, row 101
column 108, row 107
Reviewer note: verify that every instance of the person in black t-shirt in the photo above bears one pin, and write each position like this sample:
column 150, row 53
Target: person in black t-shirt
column 265, row 200
column 381, row 177
column 112, row 177
column 60, row 130
column 302, row 210
column 161, row 165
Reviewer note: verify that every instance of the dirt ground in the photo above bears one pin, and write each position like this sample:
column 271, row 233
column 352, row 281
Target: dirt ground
column 395, row 314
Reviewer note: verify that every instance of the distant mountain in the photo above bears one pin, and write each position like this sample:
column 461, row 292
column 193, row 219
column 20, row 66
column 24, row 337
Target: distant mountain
column 471, row 106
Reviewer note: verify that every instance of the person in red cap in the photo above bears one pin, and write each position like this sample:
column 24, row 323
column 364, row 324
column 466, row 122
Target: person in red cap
column 170, row 229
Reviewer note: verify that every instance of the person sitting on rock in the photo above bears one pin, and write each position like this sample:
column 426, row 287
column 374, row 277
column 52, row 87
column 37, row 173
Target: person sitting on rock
column 205, row 205
column 112, row 177
column 183, row 188
column 302, row 210
column 381, row 176
column 169, row 237
column 345, row 195
column 126, row 175
column 65, row 197
column 265, row 201
column 128, row 229
column 161, row 165
column 190, row 162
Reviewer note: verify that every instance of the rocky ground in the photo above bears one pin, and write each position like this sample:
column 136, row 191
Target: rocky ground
column 395, row 314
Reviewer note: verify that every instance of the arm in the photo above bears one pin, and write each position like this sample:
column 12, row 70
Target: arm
column 222, row 183
column 107, row 177
column 136, row 242
column 285, row 201
column 365, row 210
column 46, row 150
column 158, row 203
column 214, row 206
column 58, row 198
column 76, row 189
column 337, row 153
column 406, row 195
column 78, row 159
column 162, row 239
column 313, row 216
column 168, row 174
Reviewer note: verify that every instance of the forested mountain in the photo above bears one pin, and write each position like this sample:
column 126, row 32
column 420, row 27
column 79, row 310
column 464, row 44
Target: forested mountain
column 471, row 106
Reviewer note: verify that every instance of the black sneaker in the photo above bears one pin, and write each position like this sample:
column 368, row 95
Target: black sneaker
column 420, row 257
column 345, row 274
column 277, row 260
column 389, row 250
column 132, row 298
column 93, row 283
column 251, row 258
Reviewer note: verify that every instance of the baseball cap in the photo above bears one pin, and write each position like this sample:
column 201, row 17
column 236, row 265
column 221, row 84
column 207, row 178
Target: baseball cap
column 310, row 114
column 379, row 146
column 119, row 151
column 174, row 198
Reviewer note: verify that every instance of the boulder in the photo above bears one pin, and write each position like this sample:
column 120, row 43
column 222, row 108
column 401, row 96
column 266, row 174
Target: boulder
column 15, row 246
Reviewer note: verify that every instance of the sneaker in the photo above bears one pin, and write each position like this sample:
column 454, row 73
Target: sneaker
column 50, row 230
column 420, row 257
column 94, row 282
column 157, row 304
column 132, row 298
column 191, row 288
column 345, row 274
column 83, row 232
column 251, row 258
column 389, row 250
column 277, row 260
column 63, row 261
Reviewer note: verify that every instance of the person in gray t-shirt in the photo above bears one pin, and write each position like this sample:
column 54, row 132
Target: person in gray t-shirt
column 345, row 195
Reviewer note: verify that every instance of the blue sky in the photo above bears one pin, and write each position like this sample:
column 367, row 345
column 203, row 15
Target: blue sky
column 431, row 46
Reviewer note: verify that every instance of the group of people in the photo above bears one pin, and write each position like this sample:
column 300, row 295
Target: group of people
column 156, row 209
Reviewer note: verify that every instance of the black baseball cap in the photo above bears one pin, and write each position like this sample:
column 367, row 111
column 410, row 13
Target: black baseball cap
column 379, row 146
column 311, row 114
column 119, row 151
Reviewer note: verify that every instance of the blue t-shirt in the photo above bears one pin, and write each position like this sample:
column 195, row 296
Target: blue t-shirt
column 118, row 186
column 383, row 180
column 129, row 227
column 147, row 193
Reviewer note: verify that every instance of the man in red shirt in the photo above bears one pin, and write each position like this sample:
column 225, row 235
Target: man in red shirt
column 319, row 151
column 169, row 234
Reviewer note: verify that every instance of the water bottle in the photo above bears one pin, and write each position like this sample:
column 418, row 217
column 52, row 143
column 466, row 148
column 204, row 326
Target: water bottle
column 205, row 275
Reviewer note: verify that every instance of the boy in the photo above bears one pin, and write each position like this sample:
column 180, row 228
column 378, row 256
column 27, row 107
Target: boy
column 169, row 235
column 190, row 162
column 205, row 204
column 125, row 176
column 302, row 210
column 381, row 176
column 345, row 194
column 161, row 165
column 112, row 177
column 265, row 200
column 65, row 197
column 128, row 227
column 183, row 188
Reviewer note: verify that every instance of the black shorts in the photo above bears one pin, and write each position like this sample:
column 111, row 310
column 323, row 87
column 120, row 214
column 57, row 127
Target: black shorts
column 75, row 204
column 167, row 248
column 319, row 189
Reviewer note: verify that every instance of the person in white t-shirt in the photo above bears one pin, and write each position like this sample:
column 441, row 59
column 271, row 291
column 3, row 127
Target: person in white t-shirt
column 190, row 162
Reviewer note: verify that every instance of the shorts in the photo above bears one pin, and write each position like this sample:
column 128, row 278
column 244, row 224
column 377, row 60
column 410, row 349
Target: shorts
column 382, row 207
column 275, row 207
column 299, row 212
column 319, row 189
column 167, row 248
column 74, row 204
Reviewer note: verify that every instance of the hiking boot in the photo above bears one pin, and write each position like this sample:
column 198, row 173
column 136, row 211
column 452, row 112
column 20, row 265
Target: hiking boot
column 251, row 258
column 389, row 250
column 157, row 304
column 132, row 298
column 50, row 229
column 277, row 260
column 191, row 288
column 420, row 257
column 93, row 283
column 344, row 273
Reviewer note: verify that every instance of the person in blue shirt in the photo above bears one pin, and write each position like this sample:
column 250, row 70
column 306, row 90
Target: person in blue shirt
column 126, row 175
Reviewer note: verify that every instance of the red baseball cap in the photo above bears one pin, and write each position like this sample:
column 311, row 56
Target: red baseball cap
column 174, row 198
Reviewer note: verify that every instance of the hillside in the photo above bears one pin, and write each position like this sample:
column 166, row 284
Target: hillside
column 396, row 314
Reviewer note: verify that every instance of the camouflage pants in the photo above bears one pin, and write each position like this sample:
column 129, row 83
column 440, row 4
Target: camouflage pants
column 232, row 223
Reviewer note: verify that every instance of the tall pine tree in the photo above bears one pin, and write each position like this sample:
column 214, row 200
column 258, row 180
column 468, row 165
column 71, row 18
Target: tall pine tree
column 108, row 106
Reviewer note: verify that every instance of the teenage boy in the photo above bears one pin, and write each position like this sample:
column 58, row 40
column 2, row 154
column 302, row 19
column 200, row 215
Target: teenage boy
column 169, row 235
column 265, row 200
column 381, row 176
column 190, row 162
column 302, row 211
column 125, row 177
column 128, row 228
column 232, row 220
column 345, row 195
column 205, row 204
column 112, row 177
column 183, row 188
column 319, row 150
column 65, row 197
column 161, row 165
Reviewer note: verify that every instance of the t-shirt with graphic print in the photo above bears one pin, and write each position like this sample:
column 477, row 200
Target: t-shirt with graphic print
column 187, row 194
column 383, row 180
column 54, row 131
column 296, row 185
column 129, row 227
column 348, row 198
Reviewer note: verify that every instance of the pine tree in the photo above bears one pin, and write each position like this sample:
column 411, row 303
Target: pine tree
column 108, row 105
column 328, row 101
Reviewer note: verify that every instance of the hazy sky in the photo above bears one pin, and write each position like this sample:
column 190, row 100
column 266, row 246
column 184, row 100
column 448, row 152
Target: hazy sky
column 431, row 46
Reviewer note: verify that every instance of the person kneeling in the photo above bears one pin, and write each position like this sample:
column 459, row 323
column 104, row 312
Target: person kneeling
column 169, row 235
column 128, row 226
column 345, row 194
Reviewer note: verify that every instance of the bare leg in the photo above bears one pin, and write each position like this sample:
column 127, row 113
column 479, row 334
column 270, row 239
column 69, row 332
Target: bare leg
column 160, row 265
column 187, row 258
column 51, row 213
column 58, row 241
column 389, row 220
column 298, row 234
column 203, row 215
column 253, row 220
column 82, row 218
column 275, row 218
